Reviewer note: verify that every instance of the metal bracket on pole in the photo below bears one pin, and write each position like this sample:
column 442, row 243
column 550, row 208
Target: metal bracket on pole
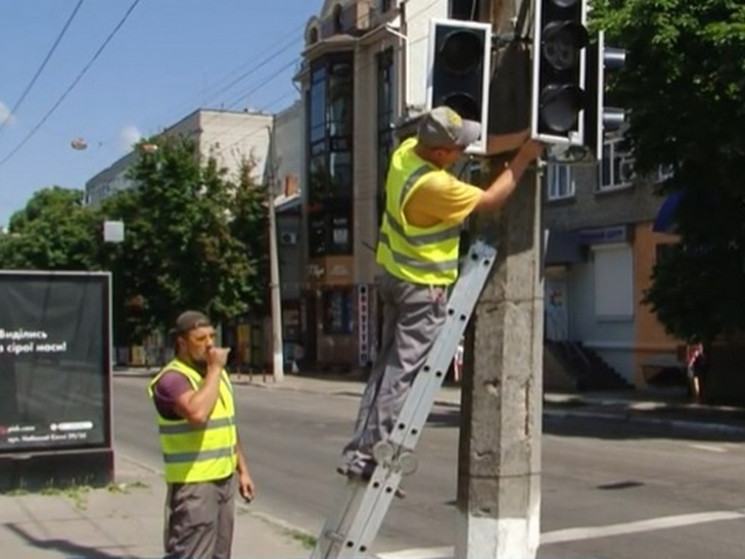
column 362, row 508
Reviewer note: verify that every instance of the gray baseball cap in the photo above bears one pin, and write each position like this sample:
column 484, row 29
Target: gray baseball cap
column 189, row 320
column 442, row 127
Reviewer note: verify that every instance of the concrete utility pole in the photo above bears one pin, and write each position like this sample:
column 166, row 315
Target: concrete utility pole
column 499, row 455
column 277, row 354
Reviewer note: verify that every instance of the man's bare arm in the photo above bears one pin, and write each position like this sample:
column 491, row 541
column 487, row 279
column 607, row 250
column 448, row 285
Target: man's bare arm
column 500, row 190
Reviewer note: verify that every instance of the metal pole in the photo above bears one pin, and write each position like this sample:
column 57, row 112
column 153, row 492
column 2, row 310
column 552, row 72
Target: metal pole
column 278, row 360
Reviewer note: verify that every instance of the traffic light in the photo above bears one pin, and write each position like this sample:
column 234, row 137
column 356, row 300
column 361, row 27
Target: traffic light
column 459, row 70
column 559, row 56
column 598, row 117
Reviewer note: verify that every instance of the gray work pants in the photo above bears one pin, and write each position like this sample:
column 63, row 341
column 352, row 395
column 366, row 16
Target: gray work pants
column 412, row 317
column 199, row 519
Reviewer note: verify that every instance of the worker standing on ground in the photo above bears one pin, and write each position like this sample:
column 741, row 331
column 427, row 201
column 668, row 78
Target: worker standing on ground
column 418, row 250
column 199, row 439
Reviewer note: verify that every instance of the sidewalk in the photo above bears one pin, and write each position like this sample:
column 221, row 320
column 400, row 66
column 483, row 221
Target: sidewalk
column 124, row 520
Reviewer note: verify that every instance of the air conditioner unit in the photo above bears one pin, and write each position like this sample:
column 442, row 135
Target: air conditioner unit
column 288, row 238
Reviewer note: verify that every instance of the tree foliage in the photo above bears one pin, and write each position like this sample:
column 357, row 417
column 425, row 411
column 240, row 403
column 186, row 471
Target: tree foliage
column 194, row 238
column 55, row 231
column 684, row 84
column 182, row 246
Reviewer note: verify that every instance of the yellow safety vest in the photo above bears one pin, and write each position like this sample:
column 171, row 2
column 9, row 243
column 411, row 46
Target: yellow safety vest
column 197, row 454
column 421, row 255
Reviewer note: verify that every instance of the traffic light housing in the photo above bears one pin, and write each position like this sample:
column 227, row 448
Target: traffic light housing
column 559, row 58
column 459, row 66
column 600, row 118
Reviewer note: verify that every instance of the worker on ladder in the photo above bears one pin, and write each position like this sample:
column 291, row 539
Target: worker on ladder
column 418, row 249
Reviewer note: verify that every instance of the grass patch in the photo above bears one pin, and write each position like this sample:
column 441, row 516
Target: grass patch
column 306, row 540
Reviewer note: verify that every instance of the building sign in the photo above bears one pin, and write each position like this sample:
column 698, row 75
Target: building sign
column 54, row 361
column 604, row 235
column 363, row 313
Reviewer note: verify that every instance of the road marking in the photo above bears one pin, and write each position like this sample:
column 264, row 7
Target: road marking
column 586, row 533
column 710, row 448
column 661, row 523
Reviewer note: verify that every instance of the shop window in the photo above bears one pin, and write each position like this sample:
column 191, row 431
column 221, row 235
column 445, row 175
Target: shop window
column 337, row 312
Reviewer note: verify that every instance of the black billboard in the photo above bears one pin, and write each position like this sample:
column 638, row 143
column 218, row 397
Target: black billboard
column 55, row 366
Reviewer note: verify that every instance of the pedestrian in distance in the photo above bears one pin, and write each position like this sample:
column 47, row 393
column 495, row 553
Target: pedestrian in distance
column 418, row 249
column 202, row 454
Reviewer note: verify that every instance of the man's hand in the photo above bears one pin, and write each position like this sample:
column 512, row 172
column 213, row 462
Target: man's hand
column 246, row 486
column 217, row 357
column 532, row 149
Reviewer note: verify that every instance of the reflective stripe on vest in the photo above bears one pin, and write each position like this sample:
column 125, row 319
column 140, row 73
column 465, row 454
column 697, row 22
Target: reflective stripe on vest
column 205, row 453
column 423, row 255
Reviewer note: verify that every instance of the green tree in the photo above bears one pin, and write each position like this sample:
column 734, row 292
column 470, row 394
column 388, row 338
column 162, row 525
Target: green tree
column 180, row 249
column 55, row 231
column 684, row 84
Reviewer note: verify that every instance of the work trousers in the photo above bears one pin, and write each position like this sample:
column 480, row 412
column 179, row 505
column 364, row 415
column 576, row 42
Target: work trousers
column 199, row 519
column 412, row 317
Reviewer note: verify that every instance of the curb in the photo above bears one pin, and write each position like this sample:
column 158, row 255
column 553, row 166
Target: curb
column 626, row 417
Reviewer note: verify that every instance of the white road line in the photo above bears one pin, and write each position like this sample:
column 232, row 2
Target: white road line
column 661, row 523
column 710, row 448
column 586, row 533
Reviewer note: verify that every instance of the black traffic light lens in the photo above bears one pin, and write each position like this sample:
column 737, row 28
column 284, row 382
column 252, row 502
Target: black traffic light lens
column 463, row 104
column 560, row 106
column 562, row 42
column 461, row 51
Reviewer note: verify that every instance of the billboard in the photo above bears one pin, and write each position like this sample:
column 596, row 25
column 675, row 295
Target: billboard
column 55, row 366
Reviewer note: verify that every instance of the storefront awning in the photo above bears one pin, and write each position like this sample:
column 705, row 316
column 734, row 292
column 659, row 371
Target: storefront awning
column 665, row 221
column 562, row 247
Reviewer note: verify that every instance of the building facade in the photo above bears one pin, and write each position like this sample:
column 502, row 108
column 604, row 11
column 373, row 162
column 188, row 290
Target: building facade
column 229, row 137
column 600, row 252
column 361, row 74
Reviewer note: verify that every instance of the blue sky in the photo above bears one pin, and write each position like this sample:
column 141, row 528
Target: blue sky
column 169, row 58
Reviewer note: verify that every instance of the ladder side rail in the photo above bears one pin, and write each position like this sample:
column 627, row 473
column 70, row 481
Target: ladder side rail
column 420, row 401
column 378, row 497
column 336, row 526
column 353, row 529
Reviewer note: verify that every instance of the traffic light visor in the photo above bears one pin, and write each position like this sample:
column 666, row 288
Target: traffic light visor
column 560, row 106
column 562, row 42
column 461, row 51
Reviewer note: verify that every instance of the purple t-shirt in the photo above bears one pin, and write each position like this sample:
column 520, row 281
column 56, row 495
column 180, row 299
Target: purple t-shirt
column 170, row 386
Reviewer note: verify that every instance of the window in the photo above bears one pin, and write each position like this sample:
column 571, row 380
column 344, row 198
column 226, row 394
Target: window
column 614, row 281
column 664, row 172
column 337, row 311
column 385, row 122
column 330, row 230
column 385, row 5
column 617, row 166
column 338, row 24
column 464, row 9
column 559, row 182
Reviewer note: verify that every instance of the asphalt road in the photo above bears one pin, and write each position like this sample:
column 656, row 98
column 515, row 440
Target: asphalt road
column 609, row 491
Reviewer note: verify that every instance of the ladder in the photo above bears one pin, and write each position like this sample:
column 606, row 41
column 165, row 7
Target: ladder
column 350, row 532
